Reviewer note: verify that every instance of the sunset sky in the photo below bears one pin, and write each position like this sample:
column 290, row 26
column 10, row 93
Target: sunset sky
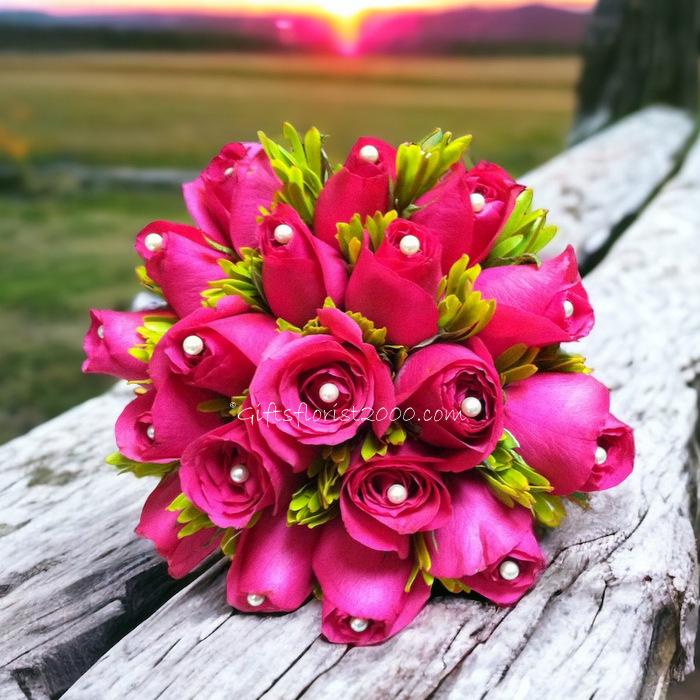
column 342, row 8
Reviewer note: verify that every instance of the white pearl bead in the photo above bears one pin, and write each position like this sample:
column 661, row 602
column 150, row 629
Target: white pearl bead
column 329, row 393
column 471, row 406
column 192, row 345
column 478, row 202
column 100, row 332
column 239, row 473
column 359, row 624
column 283, row 233
column 255, row 600
column 568, row 309
column 600, row 455
column 369, row 153
column 509, row 570
column 397, row 494
column 409, row 245
column 229, row 171
column 151, row 432
column 153, row 241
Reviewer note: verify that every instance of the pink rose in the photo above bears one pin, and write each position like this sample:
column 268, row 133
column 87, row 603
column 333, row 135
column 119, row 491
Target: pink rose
column 271, row 570
column 299, row 270
column 160, row 525
column 386, row 499
column 112, row 334
column 217, row 349
column 179, row 259
column 566, row 432
column 157, row 426
column 455, row 394
column 467, row 211
column 481, row 540
column 364, row 601
column 360, row 187
column 386, row 283
column 534, row 306
column 319, row 389
column 225, row 199
column 230, row 479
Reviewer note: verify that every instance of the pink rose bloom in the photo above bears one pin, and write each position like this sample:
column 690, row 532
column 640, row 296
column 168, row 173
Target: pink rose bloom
column 230, row 479
column 225, row 199
column 157, row 426
column 567, row 433
column 217, row 349
column 403, row 274
column 299, row 270
column 319, row 389
column 364, row 601
column 160, row 525
column 271, row 570
column 481, row 540
column 534, row 306
column 179, row 259
column 387, row 499
column 112, row 334
column 455, row 394
column 360, row 187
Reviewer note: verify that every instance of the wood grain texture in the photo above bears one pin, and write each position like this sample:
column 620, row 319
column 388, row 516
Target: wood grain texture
column 614, row 615
column 599, row 186
column 74, row 577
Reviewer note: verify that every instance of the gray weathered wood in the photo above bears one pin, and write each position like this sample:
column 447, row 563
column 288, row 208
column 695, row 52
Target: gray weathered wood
column 599, row 185
column 74, row 577
column 614, row 615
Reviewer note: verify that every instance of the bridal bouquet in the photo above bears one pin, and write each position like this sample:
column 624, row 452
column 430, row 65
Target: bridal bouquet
column 353, row 383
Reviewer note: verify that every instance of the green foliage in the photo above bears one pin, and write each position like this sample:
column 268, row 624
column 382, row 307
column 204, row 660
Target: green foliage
column 190, row 516
column 454, row 585
column 395, row 434
column 463, row 312
column 303, row 170
column 316, row 502
column 147, row 282
column 520, row 362
column 243, row 279
column 513, row 481
column 553, row 359
column 229, row 541
column 419, row 166
column 351, row 234
column 523, row 236
column 153, row 329
column 422, row 561
column 139, row 469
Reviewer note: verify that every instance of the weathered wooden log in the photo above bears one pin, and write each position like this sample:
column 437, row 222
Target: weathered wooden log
column 637, row 53
column 614, row 615
column 75, row 578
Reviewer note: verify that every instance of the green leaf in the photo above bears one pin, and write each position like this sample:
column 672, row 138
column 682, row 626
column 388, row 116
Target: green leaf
column 153, row 329
column 190, row 517
column 243, row 279
column 229, row 541
column 147, row 282
column 139, row 469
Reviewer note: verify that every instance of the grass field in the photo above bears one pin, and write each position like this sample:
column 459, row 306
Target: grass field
column 63, row 251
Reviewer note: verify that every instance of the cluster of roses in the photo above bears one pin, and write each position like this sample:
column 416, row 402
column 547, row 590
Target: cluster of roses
column 353, row 411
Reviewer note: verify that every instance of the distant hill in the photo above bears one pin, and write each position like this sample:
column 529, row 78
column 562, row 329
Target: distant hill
column 532, row 27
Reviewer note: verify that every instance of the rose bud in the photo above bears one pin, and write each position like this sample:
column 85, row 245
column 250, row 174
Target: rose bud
column 320, row 389
column 403, row 274
column 364, row 601
column 534, row 306
column 217, row 349
column 299, row 270
column 493, row 195
column 160, row 525
column 566, row 432
column 271, row 569
column 455, row 394
column 481, row 540
column 112, row 334
column 225, row 199
column 157, row 426
column 360, row 187
column 230, row 479
column 179, row 259
column 386, row 499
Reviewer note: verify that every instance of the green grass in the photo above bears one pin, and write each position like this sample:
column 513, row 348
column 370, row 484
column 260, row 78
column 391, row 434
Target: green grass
column 63, row 252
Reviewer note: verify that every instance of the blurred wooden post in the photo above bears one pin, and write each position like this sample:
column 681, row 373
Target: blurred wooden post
column 637, row 52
